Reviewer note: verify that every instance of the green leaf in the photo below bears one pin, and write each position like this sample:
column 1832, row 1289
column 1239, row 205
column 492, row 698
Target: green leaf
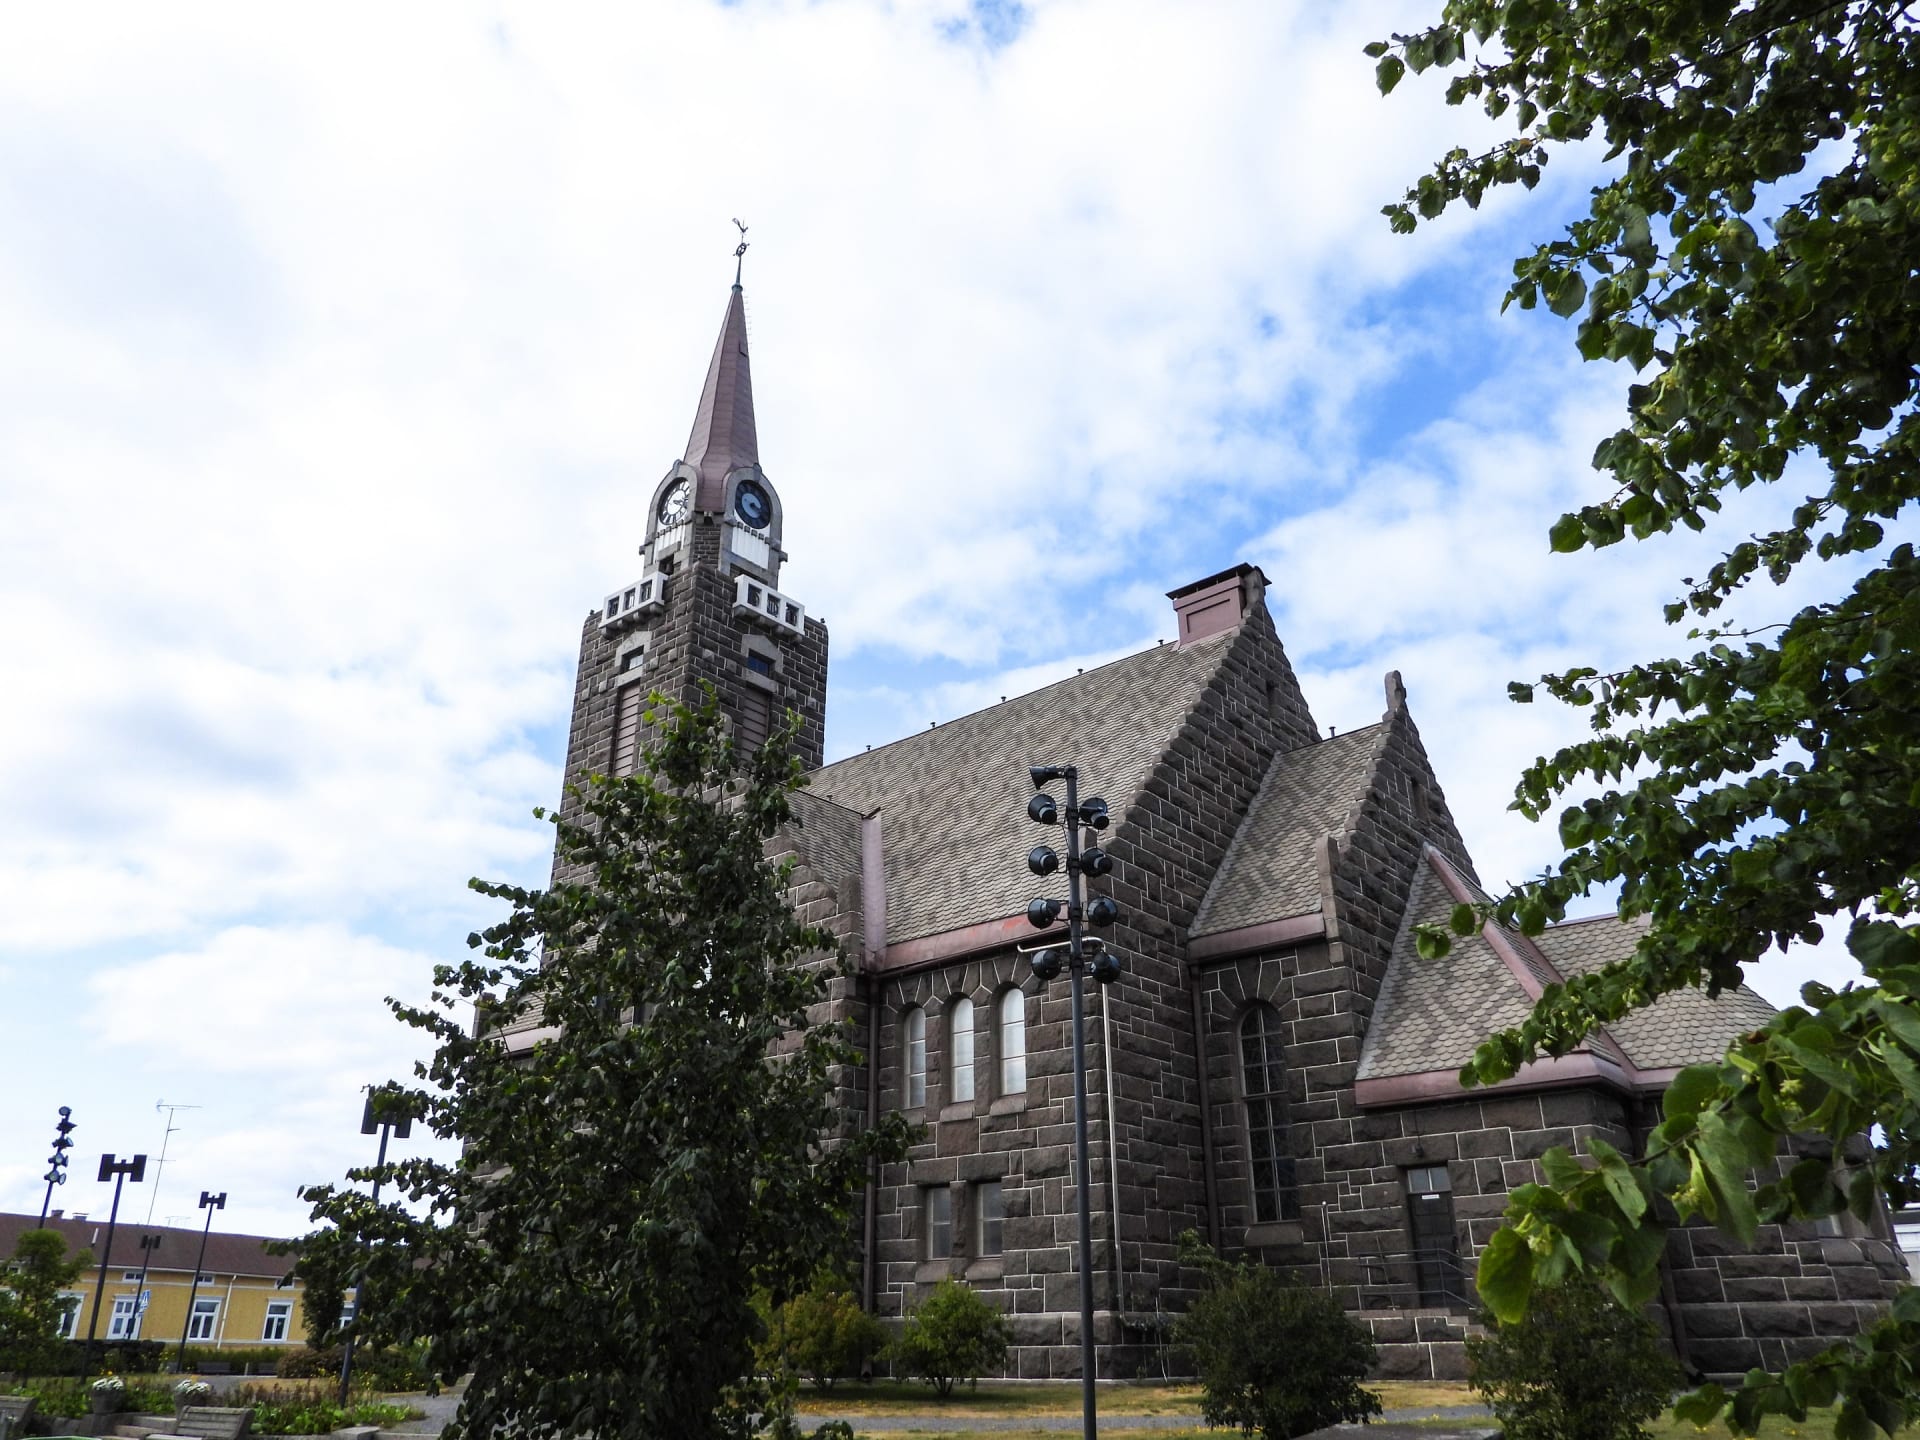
column 1725, row 1158
column 1690, row 1091
column 1568, row 534
column 1563, row 1172
column 1702, row 1406
column 1567, row 293
column 1505, row 1276
column 1388, row 72
column 1620, row 1179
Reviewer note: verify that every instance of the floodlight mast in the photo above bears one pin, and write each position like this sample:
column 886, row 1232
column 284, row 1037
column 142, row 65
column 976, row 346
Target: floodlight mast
column 1106, row 968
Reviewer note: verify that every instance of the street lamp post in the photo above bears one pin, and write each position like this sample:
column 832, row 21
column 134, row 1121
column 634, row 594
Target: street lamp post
column 57, row 1162
column 370, row 1120
column 209, row 1202
column 118, row 1171
column 1085, row 954
column 148, row 1244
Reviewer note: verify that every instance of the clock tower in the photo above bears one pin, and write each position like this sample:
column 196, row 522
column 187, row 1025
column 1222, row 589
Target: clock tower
column 707, row 606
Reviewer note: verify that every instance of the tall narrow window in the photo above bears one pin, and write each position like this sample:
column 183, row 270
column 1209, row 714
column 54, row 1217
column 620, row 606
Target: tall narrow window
column 65, row 1326
column 754, row 722
column 989, row 1210
column 626, row 729
column 937, row 1205
column 1263, row 1082
column 916, row 1047
column 279, row 1312
column 1013, row 1042
column 960, row 1044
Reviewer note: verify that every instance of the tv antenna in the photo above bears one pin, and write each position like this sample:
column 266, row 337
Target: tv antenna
column 160, row 1166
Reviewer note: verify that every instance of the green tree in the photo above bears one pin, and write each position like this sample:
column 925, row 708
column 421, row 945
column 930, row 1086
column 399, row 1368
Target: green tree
column 1272, row 1356
column 954, row 1335
column 1749, row 252
column 31, row 1306
column 658, row 1147
column 1578, row 1366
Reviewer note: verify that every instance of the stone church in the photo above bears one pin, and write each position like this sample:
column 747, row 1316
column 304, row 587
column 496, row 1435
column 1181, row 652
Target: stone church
column 1275, row 1068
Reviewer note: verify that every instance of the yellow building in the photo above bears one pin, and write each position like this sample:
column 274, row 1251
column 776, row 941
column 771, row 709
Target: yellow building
column 245, row 1297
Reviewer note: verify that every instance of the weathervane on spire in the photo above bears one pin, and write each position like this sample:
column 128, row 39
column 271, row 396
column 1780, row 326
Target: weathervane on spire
column 739, row 251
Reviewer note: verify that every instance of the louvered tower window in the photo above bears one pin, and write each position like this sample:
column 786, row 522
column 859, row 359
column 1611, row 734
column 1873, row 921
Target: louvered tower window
column 1263, row 1082
column 626, row 729
column 754, row 724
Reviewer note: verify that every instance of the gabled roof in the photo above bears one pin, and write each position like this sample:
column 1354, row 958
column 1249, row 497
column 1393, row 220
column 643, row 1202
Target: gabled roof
column 724, row 435
column 1269, row 873
column 178, row 1248
column 1683, row 1028
column 1432, row 1013
column 953, row 799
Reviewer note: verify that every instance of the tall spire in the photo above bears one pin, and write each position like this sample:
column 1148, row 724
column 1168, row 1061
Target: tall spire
column 723, row 430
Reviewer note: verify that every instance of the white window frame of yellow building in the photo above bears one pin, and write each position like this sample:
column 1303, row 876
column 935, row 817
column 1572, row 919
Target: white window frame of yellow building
column 72, row 1301
column 206, row 1308
column 124, row 1322
column 282, row 1311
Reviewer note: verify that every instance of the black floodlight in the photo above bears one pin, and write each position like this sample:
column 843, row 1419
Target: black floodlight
column 1102, row 912
column 1042, row 811
column 1043, row 773
column 1093, row 813
column 1042, row 860
column 211, row 1201
column 1095, row 861
column 1046, row 963
column 1042, row 913
column 1106, row 967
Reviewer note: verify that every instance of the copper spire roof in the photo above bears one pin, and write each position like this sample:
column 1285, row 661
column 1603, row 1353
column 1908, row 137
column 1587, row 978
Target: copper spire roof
column 723, row 433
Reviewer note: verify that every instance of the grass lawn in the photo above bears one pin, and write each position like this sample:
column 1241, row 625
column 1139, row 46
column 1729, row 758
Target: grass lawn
column 996, row 1400
column 999, row 1400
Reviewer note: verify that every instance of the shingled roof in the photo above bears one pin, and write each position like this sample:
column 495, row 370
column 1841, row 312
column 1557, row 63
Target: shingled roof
column 1269, row 873
column 1683, row 1028
column 953, row 799
column 1431, row 1013
column 178, row 1248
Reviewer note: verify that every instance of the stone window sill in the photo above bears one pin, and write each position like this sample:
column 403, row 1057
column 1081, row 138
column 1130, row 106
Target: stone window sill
column 1282, row 1232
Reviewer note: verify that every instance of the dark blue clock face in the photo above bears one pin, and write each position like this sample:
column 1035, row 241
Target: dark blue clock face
column 752, row 505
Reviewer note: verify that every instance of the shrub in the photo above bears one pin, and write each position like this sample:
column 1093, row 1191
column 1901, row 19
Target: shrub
column 1579, row 1366
column 374, row 1369
column 191, row 1392
column 245, row 1359
column 823, row 1334
column 954, row 1336
column 69, row 1399
column 302, row 1410
column 1272, row 1357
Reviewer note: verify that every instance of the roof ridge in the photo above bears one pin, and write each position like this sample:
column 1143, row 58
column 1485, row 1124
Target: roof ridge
column 1153, row 649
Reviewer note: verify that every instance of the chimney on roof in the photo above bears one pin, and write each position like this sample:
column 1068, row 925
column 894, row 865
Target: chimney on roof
column 55, row 1214
column 1217, row 603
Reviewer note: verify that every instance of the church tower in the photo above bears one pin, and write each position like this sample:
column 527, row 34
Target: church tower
column 707, row 606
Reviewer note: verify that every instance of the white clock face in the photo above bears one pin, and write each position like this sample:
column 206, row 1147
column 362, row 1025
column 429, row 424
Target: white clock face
column 674, row 504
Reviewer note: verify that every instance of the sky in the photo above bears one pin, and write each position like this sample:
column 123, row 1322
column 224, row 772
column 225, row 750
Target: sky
column 345, row 347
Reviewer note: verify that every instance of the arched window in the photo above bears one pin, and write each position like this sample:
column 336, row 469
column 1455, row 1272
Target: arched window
column 1263, row 1083
column 960, row 1048
column 1013, row 1042
column 916, row 1048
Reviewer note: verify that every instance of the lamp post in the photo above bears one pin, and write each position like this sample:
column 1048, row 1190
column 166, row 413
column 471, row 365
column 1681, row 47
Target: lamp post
column 57, row 1162
column 370, row 1120
column 118, row 1171
column 209, row 1202
column 1085, row 953
column 148, row 1244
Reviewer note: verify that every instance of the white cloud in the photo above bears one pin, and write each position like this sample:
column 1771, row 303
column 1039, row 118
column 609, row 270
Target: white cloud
column 344, row 351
